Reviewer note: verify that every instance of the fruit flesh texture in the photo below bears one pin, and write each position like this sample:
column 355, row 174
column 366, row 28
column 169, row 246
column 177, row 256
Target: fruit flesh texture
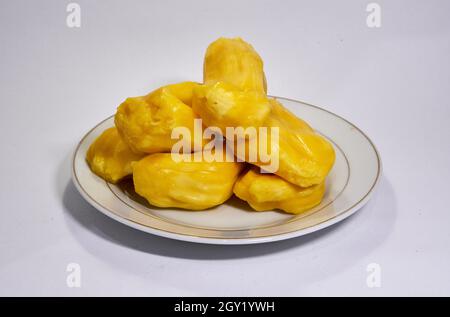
column 146, row 123
column 188, row 185
column 241, row 69
column 110, row 158
column 236, row 62
column 232, row 68
column 305, row 157
column 223, row 105
column 268, row 191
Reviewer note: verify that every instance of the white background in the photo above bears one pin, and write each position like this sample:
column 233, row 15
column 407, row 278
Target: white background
column 57, row 82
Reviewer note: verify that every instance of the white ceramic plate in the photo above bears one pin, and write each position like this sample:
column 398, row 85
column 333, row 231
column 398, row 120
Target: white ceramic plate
column 349, row 186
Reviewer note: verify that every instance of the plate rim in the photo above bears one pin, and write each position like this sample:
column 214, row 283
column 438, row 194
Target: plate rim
column 232, row 241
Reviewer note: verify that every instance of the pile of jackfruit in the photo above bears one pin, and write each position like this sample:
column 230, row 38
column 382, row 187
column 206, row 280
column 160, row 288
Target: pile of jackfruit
column 233, row 94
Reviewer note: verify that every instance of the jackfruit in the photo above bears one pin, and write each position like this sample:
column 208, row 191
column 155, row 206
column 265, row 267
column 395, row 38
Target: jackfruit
column 268, row 191
column 166, row 182
column 146, row 123
column 110, row 158
column 236, row 62
column 305, row 157
column 223, row 105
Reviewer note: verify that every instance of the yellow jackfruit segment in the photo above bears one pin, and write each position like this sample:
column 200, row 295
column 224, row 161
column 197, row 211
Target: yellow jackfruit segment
column 146, row 123
column 223, row 105
column 234, row 61
column 305, row 157
column 110, row 158
column 192, row 185
column 269, row 191
column 233, row 95
column 183, row 91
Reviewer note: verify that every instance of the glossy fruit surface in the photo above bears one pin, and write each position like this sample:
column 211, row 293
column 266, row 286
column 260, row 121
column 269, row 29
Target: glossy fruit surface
column 269, row 191
column 236, row 62
column 146, row 123
column 110, row 158
column 305, row 157
column 164, row 182
column 223, row 105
